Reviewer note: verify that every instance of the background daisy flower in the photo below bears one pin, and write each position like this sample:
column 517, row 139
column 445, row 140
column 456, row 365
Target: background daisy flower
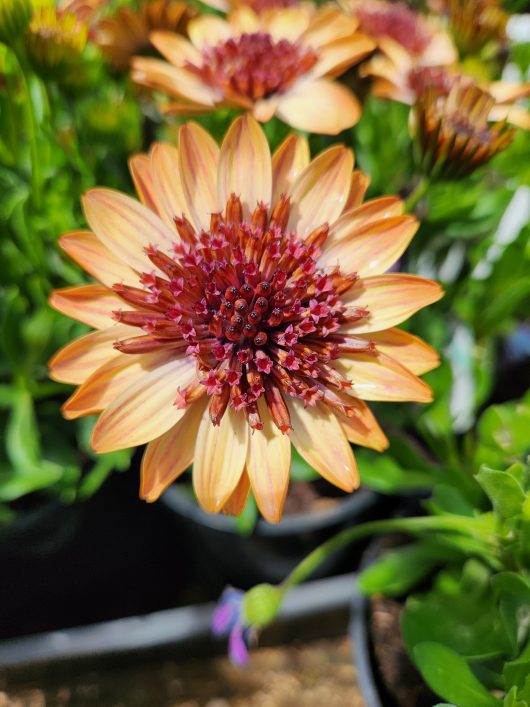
column 281, row 62
column 243, row 306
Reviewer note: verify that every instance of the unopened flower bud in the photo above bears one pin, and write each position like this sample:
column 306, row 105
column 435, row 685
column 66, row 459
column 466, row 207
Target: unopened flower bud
column 14, row 18
column 261, row 604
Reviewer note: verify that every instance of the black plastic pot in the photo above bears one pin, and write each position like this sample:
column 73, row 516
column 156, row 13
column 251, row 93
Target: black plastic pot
column 367, row 677
column 272, row 551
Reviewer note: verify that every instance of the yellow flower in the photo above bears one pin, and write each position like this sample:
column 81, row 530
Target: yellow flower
column 453, row 130
column 126, row 33
column 244, row 305
column 281, row 62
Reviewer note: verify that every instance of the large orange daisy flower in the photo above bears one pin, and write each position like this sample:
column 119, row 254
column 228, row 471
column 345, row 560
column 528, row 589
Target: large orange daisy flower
column 244, row 305
column 280, row 62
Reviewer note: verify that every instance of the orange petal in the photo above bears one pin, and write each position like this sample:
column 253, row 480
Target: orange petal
column 327, row 25
column 288, row 162
column 351, row 221
column 508, row 92
column 288, row 24
column 168, row 456
column 244, row 19
column 390, row 299
column 145, row 410
column 319, row 106
column 76, row 361
column 172, row 80
column 337, row 56
column 125, row 226
column 245, row 164
column 379, row 377
column 175, row 48
column 268, row 466
column 199, row 159
column 109, row 381
column 220, row 454
column 319, row 439
column 167, row 182
column 90, row 304
column 319, row 193
column 142, row 176
column 238, row 500
column 96, row 259
column 363, row 429
column 359, row 184
column 409, row 350
column 370, row 249
column 208, row 30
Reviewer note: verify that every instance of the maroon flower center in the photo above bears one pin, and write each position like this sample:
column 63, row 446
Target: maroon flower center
column 435, row 78
column 397, row 21
column 248, row 301
column 254, row 65
column 262, row 5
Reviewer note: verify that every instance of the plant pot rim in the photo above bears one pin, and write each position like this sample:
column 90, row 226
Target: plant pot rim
column 361, row 650
column 355, row 503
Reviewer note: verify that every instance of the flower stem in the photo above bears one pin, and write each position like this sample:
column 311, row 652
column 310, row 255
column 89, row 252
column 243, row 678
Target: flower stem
column 467, row 526
column 417, row 193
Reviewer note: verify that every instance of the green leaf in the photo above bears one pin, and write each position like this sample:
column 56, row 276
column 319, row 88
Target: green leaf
column 448, row 499
column 449, row 676
column 504, row 492
column 22, row 434
column 382, row 473
column 397, row 570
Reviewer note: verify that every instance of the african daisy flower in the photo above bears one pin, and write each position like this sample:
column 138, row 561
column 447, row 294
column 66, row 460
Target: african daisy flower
column 243, row 306
column 281, row 62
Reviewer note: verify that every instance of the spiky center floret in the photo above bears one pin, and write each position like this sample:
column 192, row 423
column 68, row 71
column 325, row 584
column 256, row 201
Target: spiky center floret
column 397, row 21
column 246, row 299
column 254, row 65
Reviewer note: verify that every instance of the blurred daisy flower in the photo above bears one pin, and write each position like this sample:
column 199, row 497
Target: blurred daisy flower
column 244, row 305
column 125, row 33
column 281, row 63
column 453, row 130
column 475, row 25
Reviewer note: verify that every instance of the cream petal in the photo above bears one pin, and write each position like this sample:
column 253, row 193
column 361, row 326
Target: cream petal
column 173, row 80
column 268, row 466
column 175, row 48
column 337, row 56
column 76, row 361
column 125, row 226
column 373, row 210
column 512, row 114
column 327, row 25
column 146, row 409
column 96, row 259
column 198, row 161
column 265, row 109
column 390, row 300
column 244, row 19
column 362, row 428
column 319, row 193
column 379, row 377
column 288, row 162
column 90, row 304
column 142, row 176
column 109, row 381
column 408, row 350
column 370, row 249
column 208, row 30
column 288, row 24
column 508, row 92
column 167, row 182
column 359, row 185
column 320, row 440
column 319, row 106
column 238, row 500
column 169, row 455
column 245, row 164
column 220, row 453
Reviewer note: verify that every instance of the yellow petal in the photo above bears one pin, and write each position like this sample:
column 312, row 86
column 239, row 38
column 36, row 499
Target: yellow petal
column 379, row 377
column 409, row 350
column 327, row 25
column 288, row 162
column 245, row 164
column 125, row 226
column 172, row 80
column 363, row 429
column 220, row 454
column 167, row 182
column 268, row 466
column 370, row 249
column 390, row 299
column 145, row 410
column 90, row 304
column 168, row 456
column 359, row 184
column 337, row 56
column 319, row 194
column 199, row 159
column 96, row 259
column 244, row 19
column 76, row 361
column 238, row 500
column 208, row 30
column 319, row 106
column 319, row 439
column 175, row 48
column 288, row 23
column 109, row 381
column 142, row 176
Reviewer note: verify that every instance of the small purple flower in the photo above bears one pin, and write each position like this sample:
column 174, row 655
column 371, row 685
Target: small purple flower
column 228, row 621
